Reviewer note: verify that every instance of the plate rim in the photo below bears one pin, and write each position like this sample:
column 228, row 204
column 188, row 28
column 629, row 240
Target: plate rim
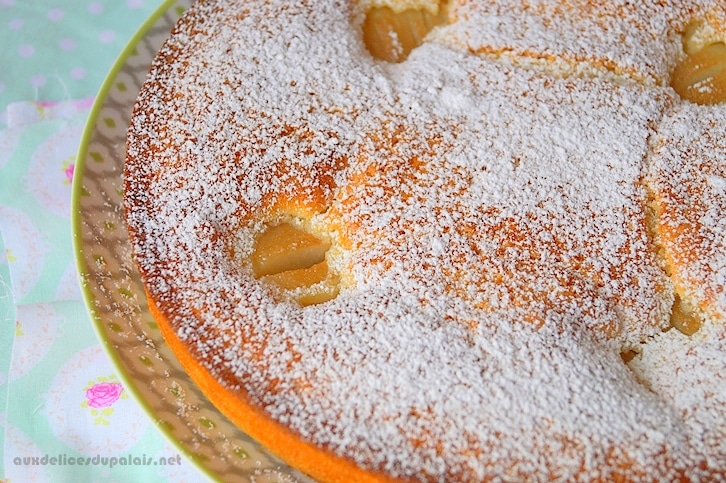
column 77, row 240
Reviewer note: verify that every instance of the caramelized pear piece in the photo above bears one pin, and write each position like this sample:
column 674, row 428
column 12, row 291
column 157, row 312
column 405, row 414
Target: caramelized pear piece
column 307, row 277
column 391, row 36
column 301, row 277
column 684, row 318
column 294, row 260
column 284, row 247
column 701, row 77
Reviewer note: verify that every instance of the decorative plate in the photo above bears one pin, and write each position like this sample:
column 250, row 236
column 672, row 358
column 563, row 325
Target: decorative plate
column 114, row 294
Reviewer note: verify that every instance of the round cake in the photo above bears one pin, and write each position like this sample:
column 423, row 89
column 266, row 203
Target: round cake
column 445, row 241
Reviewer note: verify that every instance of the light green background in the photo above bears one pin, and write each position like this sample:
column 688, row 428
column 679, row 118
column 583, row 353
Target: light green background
column 52, row 51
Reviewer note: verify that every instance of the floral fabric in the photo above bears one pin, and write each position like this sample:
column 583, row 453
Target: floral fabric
column 64, row 412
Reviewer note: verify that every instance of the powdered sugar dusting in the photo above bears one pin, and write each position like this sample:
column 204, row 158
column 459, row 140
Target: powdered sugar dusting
column 687, row 178
column 490, row 221
column 632, row 40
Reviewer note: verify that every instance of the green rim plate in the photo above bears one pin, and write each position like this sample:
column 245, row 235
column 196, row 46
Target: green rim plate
column 113, row 292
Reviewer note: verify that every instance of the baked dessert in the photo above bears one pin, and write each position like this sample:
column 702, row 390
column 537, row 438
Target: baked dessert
column 467, row 241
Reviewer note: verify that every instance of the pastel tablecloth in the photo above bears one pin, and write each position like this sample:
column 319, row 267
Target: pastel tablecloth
column 64, row 414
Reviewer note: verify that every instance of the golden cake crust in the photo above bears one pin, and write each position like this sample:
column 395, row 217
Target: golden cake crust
column 503, row 219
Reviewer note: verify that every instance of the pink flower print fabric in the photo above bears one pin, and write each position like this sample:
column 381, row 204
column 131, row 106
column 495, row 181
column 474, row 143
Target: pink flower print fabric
column 68, row 169
column 103, row 394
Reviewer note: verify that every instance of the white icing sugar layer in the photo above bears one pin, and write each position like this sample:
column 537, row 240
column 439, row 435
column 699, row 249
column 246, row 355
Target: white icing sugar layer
column 491, row 220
